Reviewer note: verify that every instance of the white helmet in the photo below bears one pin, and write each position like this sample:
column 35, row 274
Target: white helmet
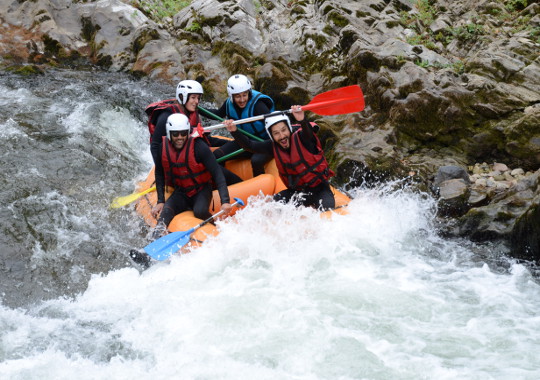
column 272, row 120
column 187, row 87
column 236, row 84
column 177, row 122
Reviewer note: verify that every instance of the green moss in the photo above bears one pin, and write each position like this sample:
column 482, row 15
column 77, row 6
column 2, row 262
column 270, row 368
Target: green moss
column 348, row 38
column 328, row 30
column 298, row 11
column 124, row 31
column 211, row 21
column 157, row 10
column 360, row 14
column 319, row 40
column 52, row 46
column 144, row 37
column 43, row 18
column 267, row 4
column 327, row 9
column 315, row 63
column 104, row 60
column 89, row 30
column 338, row 19
column 195, row 27
column 504, row 216
column 469, row 32
column 236, row 58
column 25, row 70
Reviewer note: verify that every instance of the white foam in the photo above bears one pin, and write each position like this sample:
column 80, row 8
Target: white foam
column 282, row 293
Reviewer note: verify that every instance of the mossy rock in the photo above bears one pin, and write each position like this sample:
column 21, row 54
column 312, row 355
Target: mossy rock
column 25, row 70
column 319, row 39
column 490, row 143
column 143, row 38
column 89, row 30
column 236, row 58
column 523, row 141
column 369, row 173
column 338, row 19
column 53, row 47
column 525, row 241
column 351, row 173
column 348, row 37
column 272, row 79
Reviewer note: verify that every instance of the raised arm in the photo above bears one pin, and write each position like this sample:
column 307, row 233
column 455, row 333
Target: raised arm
column 246, row 143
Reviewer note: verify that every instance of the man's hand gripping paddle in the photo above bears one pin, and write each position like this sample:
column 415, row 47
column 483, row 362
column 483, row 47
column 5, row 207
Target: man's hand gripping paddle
column 162, row 248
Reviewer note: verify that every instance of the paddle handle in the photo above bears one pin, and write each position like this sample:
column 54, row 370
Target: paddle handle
column 238, row 202
column 236, row 122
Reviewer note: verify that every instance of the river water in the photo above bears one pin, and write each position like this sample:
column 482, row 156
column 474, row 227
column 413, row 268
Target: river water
column 279, row 294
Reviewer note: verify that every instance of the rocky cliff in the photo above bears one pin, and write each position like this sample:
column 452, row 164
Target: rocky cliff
column 448, row 84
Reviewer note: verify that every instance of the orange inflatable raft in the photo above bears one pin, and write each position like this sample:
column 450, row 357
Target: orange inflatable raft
column 265, row 184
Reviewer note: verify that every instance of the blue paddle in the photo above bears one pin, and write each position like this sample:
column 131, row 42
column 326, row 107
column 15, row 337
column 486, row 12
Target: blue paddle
column 162, row 248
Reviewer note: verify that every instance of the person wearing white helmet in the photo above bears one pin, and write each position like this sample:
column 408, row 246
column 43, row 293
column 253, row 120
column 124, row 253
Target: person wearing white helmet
column 244, row 102
column 188, row 166
column 188, row 96
column 299, row 156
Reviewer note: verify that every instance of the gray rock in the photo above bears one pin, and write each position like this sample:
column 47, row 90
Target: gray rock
column 445, row 173
column 453, row 197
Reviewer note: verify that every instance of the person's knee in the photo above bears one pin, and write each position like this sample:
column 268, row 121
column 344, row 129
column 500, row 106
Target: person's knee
column 201, row 210
column 201, row 214
column 218, row 153
column 328, row 203
column 167, row 214
column 257, row 164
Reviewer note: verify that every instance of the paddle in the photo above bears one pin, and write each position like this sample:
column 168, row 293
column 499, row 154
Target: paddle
column 127, row 199
column 340, row 101
column 162, row 248
column 208, row 113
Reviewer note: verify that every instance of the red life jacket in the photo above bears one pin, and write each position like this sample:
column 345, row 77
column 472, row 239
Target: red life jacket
column 154, row 110
column 182, row 169
column 299, row 168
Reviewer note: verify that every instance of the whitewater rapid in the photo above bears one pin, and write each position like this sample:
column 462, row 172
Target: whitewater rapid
column 279, row 294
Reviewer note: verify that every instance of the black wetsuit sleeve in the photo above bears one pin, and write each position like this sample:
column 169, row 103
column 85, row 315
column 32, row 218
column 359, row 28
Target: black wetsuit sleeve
column 204, row 155
column 221, row 112
column 160, row 177
column 253, row 146
column 159, row 132
column 307, row 135
column 260, row 108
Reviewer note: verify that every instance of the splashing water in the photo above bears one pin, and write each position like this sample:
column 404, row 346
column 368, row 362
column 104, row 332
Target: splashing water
column 280, row 293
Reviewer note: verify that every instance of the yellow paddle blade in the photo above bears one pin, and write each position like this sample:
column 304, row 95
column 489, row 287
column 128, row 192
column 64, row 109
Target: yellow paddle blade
column 127, row 199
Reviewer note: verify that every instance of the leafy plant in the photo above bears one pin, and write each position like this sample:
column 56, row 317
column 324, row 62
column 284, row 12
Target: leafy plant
column 160, row 9
column 514, row 5
column 194, row 27
column 427, row 12
column 422, row 63
column 468, row 32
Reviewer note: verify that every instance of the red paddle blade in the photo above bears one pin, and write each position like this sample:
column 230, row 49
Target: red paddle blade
column 340, row 101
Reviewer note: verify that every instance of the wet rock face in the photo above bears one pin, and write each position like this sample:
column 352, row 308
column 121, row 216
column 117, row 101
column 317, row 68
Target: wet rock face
column 496, row 203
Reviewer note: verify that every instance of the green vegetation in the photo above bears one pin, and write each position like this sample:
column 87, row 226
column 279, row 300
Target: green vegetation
column 157, row 10
column 25, row 70
column 425, row 16
column 506, row 11
column 458, row 66
column 515, row 5
column 338, row 20
column 195, row 27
